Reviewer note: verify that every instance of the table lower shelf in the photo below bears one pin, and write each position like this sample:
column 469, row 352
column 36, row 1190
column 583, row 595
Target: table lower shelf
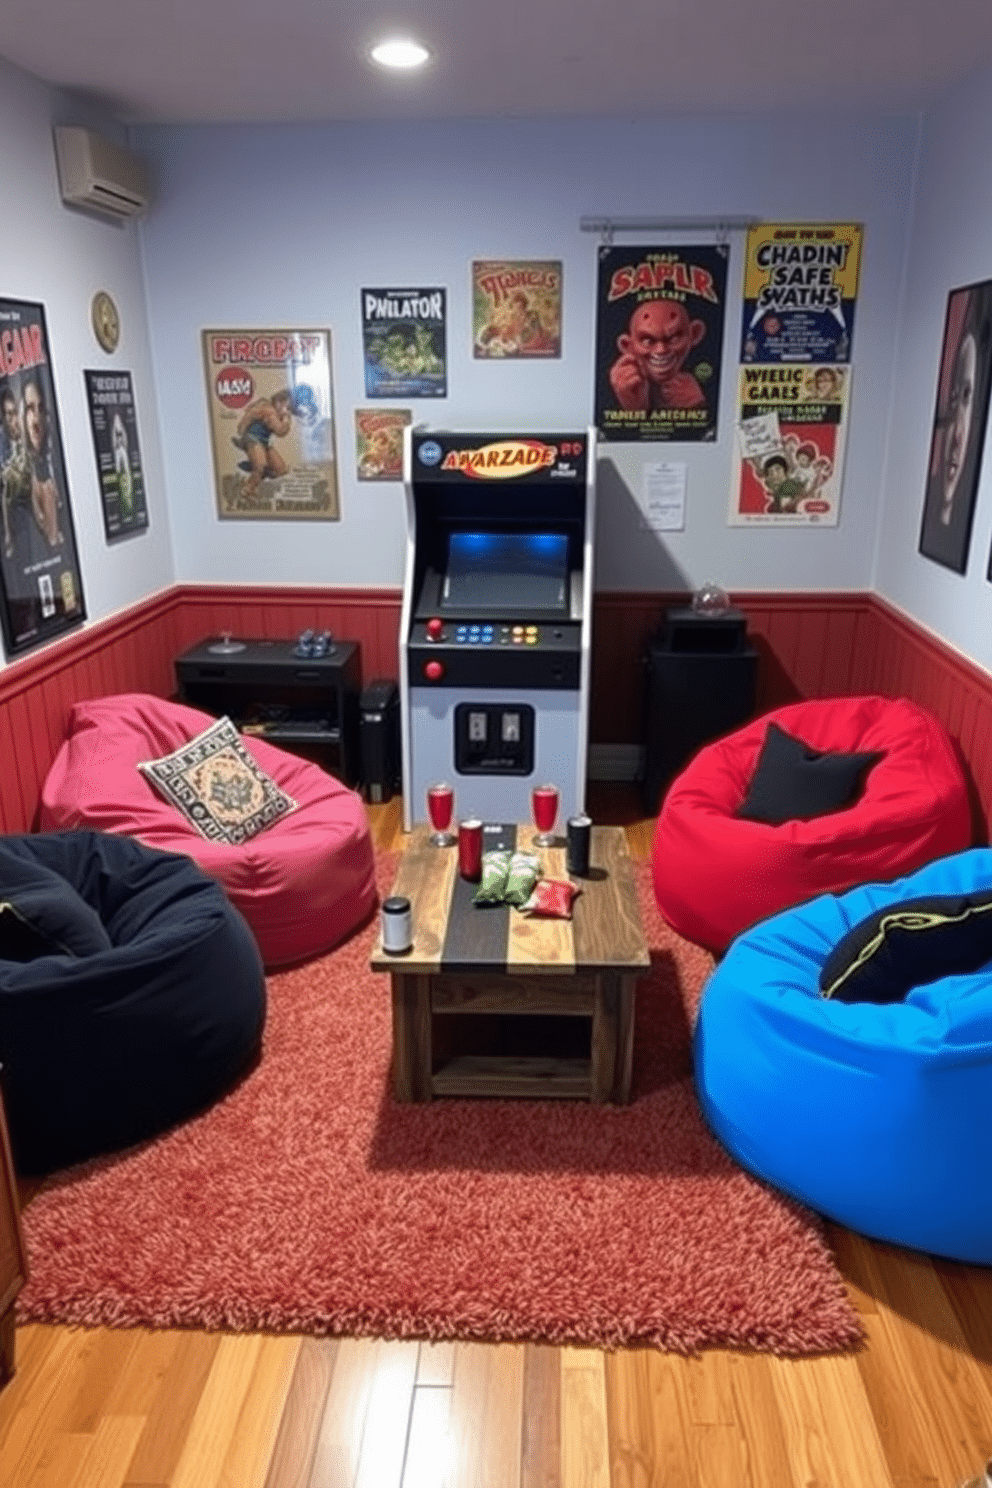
column 526, row 1076
column 590, row 1060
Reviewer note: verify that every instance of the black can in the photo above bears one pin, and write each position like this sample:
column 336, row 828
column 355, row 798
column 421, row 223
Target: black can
column 579, row 832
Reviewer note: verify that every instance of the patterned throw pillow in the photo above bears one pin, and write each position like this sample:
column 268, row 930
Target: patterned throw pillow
column 218, row 786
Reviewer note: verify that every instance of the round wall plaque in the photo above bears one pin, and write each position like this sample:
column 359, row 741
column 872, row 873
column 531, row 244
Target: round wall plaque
column 106, row 321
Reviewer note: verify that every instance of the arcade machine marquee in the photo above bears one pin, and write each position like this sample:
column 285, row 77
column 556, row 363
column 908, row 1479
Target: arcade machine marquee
column 495, row 632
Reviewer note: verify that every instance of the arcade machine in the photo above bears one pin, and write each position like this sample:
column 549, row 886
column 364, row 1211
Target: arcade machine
column 496, row 625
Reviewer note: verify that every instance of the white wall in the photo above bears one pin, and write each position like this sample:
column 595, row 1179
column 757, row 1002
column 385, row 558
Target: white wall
column 283, row 226
column 950, row 245
column 60, row 257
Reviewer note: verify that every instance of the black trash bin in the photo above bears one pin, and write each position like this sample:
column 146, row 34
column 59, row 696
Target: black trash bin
column 379, row 738
column 701, row 681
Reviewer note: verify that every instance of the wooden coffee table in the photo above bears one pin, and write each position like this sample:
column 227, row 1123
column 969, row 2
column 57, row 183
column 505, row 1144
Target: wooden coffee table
column 496, row 961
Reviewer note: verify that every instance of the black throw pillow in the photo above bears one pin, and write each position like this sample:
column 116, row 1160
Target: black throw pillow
column 909, row 944
column 794, row 782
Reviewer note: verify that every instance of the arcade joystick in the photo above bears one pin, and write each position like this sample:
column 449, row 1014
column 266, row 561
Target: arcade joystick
column 435, row 629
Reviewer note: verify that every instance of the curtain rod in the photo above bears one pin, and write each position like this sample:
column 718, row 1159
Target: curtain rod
column 609, row 225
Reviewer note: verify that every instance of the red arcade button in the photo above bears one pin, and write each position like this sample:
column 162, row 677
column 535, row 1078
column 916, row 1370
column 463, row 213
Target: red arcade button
column 433, row 671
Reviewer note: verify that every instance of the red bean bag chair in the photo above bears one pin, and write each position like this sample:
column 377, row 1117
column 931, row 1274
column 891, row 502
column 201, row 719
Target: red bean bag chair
column 881, row 783
column 303, row 881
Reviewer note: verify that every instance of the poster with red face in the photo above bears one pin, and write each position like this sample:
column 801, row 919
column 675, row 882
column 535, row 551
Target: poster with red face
column 659, row 342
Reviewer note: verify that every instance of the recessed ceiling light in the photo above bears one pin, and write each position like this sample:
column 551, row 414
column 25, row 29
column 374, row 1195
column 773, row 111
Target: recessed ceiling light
column 400, row 54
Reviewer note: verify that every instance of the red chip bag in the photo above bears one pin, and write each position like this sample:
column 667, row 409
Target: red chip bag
column 552, row 897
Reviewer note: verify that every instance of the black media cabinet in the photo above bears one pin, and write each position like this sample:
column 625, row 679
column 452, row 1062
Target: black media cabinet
column 308, row 705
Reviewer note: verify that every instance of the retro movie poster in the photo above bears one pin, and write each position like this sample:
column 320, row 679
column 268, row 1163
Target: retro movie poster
column 42, row 592
column 379, row 442
column 791, row 428
column 958, row 435
column 118, row 457
column 404, row 339
column 272, row 424
column 659, row 341
column 800, row 294
column 516, row 308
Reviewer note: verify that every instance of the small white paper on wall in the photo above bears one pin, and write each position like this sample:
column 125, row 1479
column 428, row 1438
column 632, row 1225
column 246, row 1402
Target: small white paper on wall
column 663, row 495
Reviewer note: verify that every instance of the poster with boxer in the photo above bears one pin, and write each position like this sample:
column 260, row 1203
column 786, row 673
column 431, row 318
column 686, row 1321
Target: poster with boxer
column 272, row 424
column 659, row 341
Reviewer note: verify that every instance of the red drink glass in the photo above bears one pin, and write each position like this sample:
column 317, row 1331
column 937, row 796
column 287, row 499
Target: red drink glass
column 440, row 809
column 544, row 806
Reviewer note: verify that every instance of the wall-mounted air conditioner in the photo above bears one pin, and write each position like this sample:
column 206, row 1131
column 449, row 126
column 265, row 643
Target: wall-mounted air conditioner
column 99, row 175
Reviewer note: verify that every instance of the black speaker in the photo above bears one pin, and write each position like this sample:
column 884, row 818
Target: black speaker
column 379, row 738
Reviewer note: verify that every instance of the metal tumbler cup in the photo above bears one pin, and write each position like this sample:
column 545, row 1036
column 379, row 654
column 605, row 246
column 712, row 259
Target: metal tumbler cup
column 470, row 850
column 397, row 925
column 578, row 834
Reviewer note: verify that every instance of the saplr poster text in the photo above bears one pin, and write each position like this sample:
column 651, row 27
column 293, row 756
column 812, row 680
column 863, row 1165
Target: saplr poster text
column 659, row 341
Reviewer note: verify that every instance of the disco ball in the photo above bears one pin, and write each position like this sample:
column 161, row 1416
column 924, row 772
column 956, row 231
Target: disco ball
column 710, row 599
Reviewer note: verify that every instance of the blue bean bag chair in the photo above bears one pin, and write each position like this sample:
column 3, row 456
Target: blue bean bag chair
column 843, row 1053
column 131, row 994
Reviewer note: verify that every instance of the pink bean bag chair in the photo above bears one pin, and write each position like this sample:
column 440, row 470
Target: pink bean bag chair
column 302, row 882
column 836, row 793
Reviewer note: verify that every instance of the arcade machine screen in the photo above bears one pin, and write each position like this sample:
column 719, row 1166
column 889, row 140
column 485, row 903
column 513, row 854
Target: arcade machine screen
column 506, row 573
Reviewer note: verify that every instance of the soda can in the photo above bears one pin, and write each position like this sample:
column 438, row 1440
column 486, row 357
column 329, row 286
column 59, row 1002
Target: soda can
column 578, row 835
column 470, row 850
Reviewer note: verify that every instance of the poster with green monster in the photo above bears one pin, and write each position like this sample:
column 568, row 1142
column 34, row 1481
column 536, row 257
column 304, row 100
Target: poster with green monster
column 404, row 334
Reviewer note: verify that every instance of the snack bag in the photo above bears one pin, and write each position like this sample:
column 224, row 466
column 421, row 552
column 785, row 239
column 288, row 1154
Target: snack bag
column 495, row 870
column 552, row 898
column 523, row 875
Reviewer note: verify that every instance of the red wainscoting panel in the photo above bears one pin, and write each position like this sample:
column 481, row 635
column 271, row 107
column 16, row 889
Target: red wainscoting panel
column 128, row 652
column 822, row 645
column 911, row 662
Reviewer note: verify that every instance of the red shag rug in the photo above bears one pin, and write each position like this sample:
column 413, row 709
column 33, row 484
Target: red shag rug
column 308, row 1201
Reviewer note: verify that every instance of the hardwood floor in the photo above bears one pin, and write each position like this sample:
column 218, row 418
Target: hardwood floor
column 135, row 1409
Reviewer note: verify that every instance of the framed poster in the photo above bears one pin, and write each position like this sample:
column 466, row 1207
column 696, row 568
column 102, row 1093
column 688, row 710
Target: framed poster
column 272, row 424
column 118, row 456
column 404, row 343
column 958, row 436
column 41, row 593
column 659, row 341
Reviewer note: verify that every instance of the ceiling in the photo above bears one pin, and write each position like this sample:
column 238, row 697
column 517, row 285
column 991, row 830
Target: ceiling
column 198, row 61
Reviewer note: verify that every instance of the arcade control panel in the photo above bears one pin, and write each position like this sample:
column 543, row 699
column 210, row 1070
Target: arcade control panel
column 494, row 653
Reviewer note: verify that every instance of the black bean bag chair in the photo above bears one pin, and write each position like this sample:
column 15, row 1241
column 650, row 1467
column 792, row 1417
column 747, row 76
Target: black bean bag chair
column 132, row 994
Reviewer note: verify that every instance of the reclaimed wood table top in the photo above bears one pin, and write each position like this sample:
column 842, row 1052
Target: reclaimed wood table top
column 452, row 934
